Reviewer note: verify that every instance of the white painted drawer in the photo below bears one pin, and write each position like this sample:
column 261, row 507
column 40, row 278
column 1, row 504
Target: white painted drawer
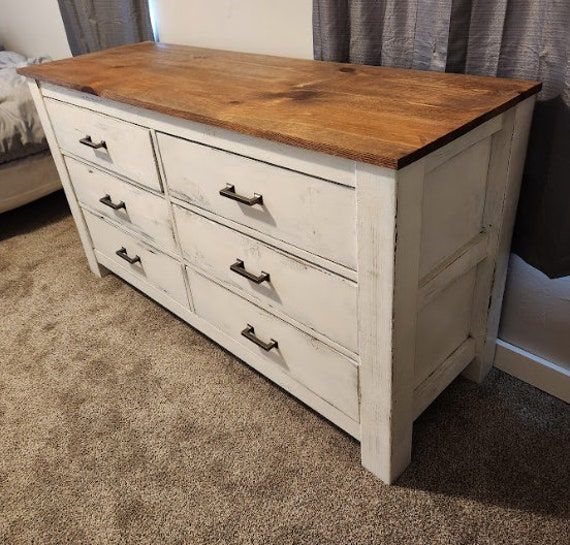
column 307, row 212
column 322, row 300
column 319, row 368
column 152, row 265
column 141, row 211
column 127, row 148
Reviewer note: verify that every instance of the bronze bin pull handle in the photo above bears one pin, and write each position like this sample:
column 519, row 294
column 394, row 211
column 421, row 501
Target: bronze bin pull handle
column 107, row 201
column 86, row 141
column 230, row 193
column 239, row 268
column 122, row 253
column 249, row 333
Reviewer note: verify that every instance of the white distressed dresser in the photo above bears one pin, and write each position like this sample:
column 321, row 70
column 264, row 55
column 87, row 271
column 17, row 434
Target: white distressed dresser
column 342, row 229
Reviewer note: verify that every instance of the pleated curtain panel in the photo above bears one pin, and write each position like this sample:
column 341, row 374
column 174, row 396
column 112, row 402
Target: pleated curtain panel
column 93, row 25
column 527, row 39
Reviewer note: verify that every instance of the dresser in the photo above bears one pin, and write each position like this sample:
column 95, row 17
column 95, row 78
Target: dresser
column 342, row 229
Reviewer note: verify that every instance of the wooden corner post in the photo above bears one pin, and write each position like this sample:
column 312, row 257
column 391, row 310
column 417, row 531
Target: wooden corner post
column 389, row 217
column 504, row 178
column 76, row 212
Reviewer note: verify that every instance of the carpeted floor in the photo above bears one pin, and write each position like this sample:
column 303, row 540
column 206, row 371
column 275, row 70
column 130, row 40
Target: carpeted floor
column 120, row 424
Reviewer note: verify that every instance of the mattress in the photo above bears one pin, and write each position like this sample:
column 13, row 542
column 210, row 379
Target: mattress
column 21, row 134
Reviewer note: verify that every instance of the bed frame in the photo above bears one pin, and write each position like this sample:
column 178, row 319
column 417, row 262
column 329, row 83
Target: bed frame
column 25, row 180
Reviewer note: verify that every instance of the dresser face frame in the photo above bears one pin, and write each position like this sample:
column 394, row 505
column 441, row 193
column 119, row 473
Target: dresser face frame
column 430, row 257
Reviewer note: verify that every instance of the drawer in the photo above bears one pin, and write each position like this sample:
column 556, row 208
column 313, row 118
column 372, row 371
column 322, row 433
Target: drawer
column 144, row 213
column 307, row 212
column 324, row 371
column 322, row 300
column 127, row 148
column 148, row 263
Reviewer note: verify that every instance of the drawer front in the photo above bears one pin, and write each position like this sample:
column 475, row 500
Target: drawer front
column 143, row 212
column 309, row 213
column 127, row 148
column 150, row 264
column 320, row 299
column 326, row 372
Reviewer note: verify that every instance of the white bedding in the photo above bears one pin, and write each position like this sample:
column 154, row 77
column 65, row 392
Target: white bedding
column 21, row 134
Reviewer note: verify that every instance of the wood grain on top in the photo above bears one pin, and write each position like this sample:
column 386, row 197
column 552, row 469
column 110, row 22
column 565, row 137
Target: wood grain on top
column 383, row 116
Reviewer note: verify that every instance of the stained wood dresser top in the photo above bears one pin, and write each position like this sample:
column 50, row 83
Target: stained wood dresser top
column 384, row 116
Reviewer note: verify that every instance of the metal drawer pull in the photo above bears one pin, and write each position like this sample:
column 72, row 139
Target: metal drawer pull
column 90, row 144
column 106, row 200
column 122, row 253
column 239, row 268
column 249, row 333
column 230, row 192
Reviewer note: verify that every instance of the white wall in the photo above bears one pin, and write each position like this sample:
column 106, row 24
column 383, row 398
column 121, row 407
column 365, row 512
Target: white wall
column 274, row 27
column 33, row 28
column 536, row 313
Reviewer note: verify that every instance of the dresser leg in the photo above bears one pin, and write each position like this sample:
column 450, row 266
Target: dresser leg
column 389, row 210
column 98, row 270
column 387, row 456
column 479, row 368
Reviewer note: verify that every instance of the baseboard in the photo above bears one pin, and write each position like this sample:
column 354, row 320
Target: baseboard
column 537, row 371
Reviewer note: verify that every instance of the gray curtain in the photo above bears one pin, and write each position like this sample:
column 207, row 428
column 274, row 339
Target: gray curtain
column 528, row 39
column 92, row 25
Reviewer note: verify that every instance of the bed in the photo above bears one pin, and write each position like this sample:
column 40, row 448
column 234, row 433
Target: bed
column 27, row 170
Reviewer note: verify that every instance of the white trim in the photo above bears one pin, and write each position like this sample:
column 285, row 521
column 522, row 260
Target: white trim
column 537, row 371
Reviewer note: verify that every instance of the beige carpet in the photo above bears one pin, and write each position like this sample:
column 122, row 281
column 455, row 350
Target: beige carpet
column 120, row 424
